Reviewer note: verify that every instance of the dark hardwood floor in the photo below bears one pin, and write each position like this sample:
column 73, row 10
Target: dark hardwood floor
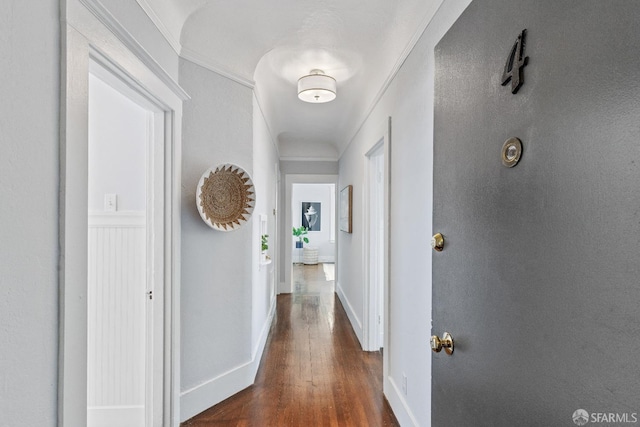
column 313, row 372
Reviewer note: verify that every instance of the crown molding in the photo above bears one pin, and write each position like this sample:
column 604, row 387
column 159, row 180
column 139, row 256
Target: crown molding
column 426, row 21
column 257, row 98
column 166, row 33
column 189, row 54
column 308, row 159
column 198, row 59
column 109, row 21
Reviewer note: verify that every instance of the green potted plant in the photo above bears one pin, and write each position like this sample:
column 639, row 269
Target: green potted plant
column 300, row 233
column 264, row 245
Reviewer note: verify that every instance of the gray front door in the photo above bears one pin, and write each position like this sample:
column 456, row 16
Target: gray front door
column 539, row 279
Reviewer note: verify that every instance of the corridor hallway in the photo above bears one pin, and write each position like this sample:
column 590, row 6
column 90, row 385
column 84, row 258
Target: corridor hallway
column 313, row 371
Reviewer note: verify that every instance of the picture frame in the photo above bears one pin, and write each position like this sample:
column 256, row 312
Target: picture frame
column 346, row 205
column 311, row 216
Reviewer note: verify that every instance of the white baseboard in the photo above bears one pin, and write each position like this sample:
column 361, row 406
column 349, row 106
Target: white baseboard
column 398, row 404
column 121, row 416
column 327, row 259
column 264, row 334
column 214, row 391
column 356, row 324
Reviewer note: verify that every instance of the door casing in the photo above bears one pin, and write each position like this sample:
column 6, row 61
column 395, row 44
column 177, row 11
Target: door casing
column 91, row 33
column 374, row 250
column 154, row 260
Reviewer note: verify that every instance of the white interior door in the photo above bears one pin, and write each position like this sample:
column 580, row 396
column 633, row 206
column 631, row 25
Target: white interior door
column 376, row 247
column 125, row 257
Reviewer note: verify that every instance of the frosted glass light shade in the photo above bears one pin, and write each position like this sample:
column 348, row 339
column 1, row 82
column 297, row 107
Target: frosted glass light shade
column 317, row 88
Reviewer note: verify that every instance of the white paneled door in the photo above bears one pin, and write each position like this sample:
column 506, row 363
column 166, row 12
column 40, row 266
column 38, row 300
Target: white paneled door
column 125, row 257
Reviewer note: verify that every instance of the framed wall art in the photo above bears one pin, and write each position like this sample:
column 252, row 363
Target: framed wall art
column 311, row 216
column 346, row 204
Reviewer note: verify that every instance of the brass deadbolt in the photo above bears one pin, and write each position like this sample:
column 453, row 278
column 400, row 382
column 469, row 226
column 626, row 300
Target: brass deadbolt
column 437, row 242
column 445, row 342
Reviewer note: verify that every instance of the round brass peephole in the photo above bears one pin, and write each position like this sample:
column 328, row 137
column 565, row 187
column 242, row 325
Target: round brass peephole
column 511, row 152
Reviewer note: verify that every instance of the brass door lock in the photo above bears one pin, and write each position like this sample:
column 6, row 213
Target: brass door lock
column 445, row 342
column 437, row 242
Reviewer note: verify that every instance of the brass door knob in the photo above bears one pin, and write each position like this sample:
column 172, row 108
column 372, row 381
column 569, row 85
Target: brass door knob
column 445, row 342
column 437, row 242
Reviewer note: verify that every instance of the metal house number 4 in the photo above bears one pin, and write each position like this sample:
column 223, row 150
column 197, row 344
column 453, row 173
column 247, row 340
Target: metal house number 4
column 514, row 68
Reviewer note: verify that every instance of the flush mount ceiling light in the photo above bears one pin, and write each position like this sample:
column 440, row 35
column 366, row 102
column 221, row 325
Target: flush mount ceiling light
column 317, row 87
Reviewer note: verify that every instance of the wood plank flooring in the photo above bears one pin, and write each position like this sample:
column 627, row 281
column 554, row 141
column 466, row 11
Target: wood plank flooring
column 313, row 372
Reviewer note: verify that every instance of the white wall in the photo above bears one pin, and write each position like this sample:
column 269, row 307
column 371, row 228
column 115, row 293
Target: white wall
column 216, row 266
column 317, row 239
column 29, row 139
column 265, row 178
column 226, row 295
column 409, row 101
column 118, row 133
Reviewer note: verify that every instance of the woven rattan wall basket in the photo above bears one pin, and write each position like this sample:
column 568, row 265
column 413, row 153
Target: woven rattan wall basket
column 225, row 197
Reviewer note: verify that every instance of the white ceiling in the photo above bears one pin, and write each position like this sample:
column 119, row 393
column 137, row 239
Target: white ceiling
column 273, row 43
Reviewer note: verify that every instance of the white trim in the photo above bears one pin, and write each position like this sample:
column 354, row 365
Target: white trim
column 256, row 96
column 387, row 381
column 356, row 324
column 158, row 158
column 83, row 36
column 309, row 159
column 203, row 396
column 173, row 175
column 426, row 21
column 258, row 350
column 109, row 21
column 168, row 36
column 401, row 408
column 370, row 298
column 117, row 219
column 118, row 78
column 198, row 59
column 326, row 259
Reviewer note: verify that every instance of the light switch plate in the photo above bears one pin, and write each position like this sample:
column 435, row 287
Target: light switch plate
column 110, row 202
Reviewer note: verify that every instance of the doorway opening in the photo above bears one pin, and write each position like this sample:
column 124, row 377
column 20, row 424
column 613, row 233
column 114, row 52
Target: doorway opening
column 125, row 253
column 310, row 203
column 313, row 208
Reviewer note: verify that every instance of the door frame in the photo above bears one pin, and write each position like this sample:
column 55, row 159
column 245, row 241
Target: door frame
column 287, row 285
column 154, row 234
column 370, row 306
column 90, row 33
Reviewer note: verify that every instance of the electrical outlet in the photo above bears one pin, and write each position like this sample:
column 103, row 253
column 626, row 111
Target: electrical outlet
column 110, row 202
column 404, row 383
